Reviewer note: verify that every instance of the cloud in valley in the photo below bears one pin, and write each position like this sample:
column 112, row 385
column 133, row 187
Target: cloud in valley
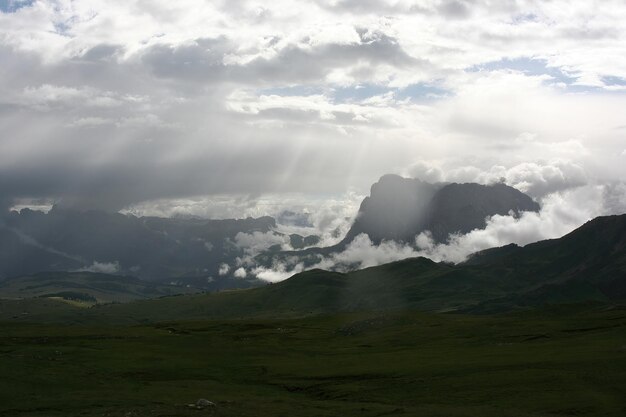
column 103, row 267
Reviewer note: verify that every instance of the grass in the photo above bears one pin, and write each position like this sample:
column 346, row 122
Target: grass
column 565, row 362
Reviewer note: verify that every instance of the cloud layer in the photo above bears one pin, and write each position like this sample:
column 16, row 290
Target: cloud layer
column 121, row 103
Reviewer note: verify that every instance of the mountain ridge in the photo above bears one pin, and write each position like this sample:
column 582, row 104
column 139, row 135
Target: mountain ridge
column 546, row 272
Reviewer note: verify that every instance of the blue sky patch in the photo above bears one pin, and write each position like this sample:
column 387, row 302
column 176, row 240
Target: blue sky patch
column 11, row 6
column 357, row 93
column 528, row 66
column 421, row 91
column 614, row 81
column 414, row 92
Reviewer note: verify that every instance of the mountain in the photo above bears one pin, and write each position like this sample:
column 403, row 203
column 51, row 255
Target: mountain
column 587, row 265
column 21, row 255
column 148, row 247
column 86, row 287
column 95, row 287
column 162, row 248
column 400, row 208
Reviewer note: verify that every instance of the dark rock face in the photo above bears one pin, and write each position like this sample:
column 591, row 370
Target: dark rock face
column 461, row 208
column 300, row 242
column 395, row 208
column 400, row 208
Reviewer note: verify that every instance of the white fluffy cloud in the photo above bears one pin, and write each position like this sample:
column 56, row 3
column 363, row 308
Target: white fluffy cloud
column 240, row 273
column 536, row 179
column 224, row 269
column 103, row 267
column 256, row 242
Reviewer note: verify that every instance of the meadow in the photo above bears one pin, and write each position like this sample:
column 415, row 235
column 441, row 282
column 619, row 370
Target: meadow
column 566, row 361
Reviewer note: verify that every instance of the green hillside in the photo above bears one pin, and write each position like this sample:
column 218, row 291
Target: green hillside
column 87, row 287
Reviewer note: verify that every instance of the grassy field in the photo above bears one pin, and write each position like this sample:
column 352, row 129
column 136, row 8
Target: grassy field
column 566, row 362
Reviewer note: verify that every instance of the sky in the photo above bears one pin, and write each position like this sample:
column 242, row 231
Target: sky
column 234, row 108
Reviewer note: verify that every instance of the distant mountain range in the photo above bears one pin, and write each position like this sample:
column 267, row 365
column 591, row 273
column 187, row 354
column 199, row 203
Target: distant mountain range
column 147, row 247
column 86, row 287
column 587, row 265
column 98, row 288
column 163, row 248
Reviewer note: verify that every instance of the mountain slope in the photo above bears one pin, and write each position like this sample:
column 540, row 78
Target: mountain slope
column 85, row 286
column 588, row 264
column 19, row 257
column 148, row 247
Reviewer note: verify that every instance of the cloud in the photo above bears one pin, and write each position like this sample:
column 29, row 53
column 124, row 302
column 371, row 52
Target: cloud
column 257, row 242
column 46, row 96
column 426, row 171
column 278, row 272
column 454, row 9
column 539, row 180
column 224, row 269
column 240, row 273
column 560, row 214
column 536, row 179
column 326, row 216
column 103, row 267
column 362, row 253
column 111, row 105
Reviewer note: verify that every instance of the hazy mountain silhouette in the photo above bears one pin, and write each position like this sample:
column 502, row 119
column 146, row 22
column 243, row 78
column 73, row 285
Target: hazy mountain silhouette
column 156, row 248
column 148, row 247
column 400, row 208
column 587, row 265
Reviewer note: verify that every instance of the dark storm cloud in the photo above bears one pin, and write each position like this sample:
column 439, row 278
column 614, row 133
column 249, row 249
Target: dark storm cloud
column 203, row 60
column 455, row 9
column 110, row 167
column 97, row 67
column 100, row 53
column 94, row 146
